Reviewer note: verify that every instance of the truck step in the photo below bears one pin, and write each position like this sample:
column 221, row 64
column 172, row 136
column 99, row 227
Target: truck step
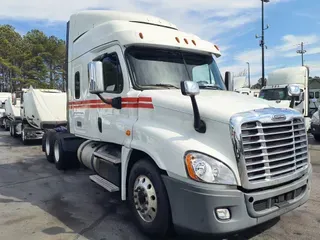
column 108, row 157
column 104, row 183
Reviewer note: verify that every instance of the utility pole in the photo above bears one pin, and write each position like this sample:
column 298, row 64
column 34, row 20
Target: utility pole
column 249, row 74
column 262, row 43
column 302, row 52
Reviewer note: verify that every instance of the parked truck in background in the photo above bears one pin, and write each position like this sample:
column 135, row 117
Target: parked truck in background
column 182, row 153
column 13, row 113
column 315, row 125
column 3, row 98
column 41, row 109
column 276, row 89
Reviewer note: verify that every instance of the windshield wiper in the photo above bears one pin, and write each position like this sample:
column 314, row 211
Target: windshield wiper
column 209, row 86
column 164, row 85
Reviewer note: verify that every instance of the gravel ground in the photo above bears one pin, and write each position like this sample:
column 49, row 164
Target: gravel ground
column 38, row 202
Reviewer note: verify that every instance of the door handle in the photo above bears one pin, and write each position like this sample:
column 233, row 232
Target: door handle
column 100, row 124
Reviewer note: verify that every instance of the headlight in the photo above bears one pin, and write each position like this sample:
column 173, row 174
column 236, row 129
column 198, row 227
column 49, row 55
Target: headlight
column 203, row 168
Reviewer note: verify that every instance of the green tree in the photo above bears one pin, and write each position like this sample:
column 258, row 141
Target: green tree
column 34, row 59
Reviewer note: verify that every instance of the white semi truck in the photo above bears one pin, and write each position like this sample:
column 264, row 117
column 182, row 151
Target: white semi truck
column 41, row 109
column 276, row 89
column 218, row 162
column 13, row 113
column 3, row 120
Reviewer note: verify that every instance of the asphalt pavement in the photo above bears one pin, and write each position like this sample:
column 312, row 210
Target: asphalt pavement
column 38, row 202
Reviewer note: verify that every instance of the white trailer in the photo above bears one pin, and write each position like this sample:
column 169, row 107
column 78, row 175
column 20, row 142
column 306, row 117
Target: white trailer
column 41, row 109
column 216, row 163
column 248, row 91
column 3, row 98
column 13, row 115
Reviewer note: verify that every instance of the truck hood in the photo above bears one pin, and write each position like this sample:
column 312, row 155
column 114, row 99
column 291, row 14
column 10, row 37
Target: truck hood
column 213, row 104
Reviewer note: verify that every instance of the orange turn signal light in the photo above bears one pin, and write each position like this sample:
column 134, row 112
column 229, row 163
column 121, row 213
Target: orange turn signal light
column 141, row 35
column 177, row 39
column 189, row 158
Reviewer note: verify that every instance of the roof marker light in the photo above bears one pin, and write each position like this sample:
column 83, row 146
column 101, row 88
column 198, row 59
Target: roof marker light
column 178, row 40
column 186, row 41
column 194, row 42
column 217, row 47
column 141, row 35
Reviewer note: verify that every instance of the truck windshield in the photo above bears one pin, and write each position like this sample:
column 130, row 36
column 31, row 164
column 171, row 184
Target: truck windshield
column 275, row 94
column 166, row 68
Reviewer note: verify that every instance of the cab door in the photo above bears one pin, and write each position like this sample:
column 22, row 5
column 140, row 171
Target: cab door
column 113, row 124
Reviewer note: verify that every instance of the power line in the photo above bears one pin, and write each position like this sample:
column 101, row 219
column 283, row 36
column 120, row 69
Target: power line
column 302, row 51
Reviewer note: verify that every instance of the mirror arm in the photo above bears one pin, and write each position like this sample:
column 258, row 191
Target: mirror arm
column 106, row 101
column 114, row 102
column 292, row 102
column 199, row 125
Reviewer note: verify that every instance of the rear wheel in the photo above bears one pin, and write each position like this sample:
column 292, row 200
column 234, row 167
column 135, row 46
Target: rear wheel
column 11, row 130
column 24, row 139
column 60, row 156
column 317, row 137
column 148, row 200
column 6, row 125
column 49, row 144
column 14, row 131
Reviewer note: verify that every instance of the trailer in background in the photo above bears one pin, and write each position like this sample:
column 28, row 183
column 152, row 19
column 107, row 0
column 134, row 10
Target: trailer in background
column 41, row 109
column 3, row 98
column 13, row 115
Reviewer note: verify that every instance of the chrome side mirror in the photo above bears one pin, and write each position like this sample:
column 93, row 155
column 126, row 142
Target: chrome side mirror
column 294, row 90
column 95, row 74
column 189, row 88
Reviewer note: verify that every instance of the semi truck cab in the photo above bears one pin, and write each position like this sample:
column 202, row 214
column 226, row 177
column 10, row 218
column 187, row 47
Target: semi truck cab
column 148, row 112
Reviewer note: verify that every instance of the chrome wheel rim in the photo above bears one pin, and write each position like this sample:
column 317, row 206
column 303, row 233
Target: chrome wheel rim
column 145, row 198
column 23, row 136
column 56, row 151
column 47, row 146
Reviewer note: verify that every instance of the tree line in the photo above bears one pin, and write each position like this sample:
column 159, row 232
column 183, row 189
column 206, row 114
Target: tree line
column 32, row 59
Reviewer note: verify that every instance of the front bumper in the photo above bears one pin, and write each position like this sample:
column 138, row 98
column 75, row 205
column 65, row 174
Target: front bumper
column 193, row 205
column 315, row 129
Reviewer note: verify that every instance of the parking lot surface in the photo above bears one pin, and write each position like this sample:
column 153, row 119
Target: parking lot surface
column 38, row 202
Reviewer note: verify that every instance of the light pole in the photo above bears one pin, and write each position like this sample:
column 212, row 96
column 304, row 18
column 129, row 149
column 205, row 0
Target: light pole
column 262, row 45
column 248, row 74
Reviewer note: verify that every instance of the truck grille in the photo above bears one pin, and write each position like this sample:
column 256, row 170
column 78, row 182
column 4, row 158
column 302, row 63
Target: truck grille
column 274, row 149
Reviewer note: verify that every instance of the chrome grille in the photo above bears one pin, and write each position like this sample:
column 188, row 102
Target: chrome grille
column 273, row 149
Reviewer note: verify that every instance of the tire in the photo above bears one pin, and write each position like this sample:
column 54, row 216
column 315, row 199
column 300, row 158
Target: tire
column 60, row 157
column 49, row 143
column 6, row 126
column 157, row 204
column 43, row 141
column 317, row 138
column 11, row 130
column 14, row 131
column 23, row 137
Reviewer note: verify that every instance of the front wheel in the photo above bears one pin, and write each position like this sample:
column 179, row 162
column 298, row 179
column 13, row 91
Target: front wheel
column 148, row 200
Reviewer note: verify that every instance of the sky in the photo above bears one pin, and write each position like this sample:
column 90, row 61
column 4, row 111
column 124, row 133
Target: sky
column 231, row 24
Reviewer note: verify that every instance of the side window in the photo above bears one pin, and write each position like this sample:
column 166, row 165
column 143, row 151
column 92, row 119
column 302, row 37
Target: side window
column 317, row 95
column 311, row 94
column 77, row 85
column 112, row 73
